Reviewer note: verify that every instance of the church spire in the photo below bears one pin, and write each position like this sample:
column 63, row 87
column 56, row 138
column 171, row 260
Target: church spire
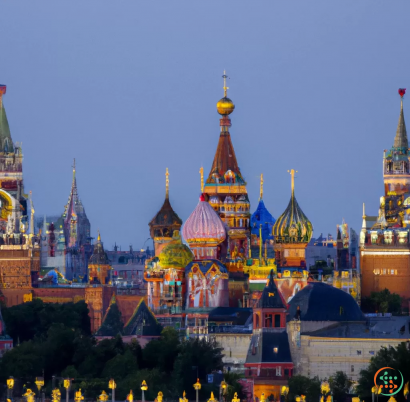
column 401, row 141
column 261, row 189
column 166, row 183
column 6, row 143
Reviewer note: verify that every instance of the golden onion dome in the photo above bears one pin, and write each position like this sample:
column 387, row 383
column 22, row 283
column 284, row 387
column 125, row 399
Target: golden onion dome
column 225, row 106
column 175, row 254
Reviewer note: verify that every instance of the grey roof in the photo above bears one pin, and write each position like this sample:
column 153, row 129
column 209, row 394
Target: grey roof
column 238, row 316
column 320, row 302
column 393, row 328
column 261, row 348
column 401, row 141
column 5, row 136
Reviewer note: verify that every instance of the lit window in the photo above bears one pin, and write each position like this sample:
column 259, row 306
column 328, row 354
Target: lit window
column 275, row 350
column 279, row 371
column 392, row 272
column 384, row 272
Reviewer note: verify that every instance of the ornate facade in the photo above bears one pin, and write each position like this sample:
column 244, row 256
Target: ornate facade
column 226, row 188
column 19, row 246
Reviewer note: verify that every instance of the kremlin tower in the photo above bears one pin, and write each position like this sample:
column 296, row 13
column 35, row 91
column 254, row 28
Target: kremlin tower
column 384, row 240
column 226, row 188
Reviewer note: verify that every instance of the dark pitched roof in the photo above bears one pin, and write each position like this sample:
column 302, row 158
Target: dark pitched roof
column 261, row 348
column 271, row 297
column 166, row 216
column 238, row 316
column 6, row 143
column 142, row 322
column 321, row 302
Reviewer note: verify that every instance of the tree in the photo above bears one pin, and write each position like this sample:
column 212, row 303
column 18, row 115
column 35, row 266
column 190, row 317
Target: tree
column 301, row 385
column 233, row 386
column 340, row 385
column 396, row 357
column 383, row 302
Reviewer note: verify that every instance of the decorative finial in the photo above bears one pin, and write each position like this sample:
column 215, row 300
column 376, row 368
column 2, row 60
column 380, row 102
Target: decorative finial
column 402, row 91
column 166, row 183
column 364, row 213
column 99, row 236
column 261, row 189
column 225, row 87
column 201, row 171
column 3, row 89
column 292, row 175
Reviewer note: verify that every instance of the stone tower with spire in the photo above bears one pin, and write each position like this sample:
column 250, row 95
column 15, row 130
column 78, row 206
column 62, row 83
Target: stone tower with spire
column 226, row 188
column 384, row 239
column 163, row 224
column 76, row 230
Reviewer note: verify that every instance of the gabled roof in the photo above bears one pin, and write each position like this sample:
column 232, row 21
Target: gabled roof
column 271, row 296
column 262, row 348
column 142, row 322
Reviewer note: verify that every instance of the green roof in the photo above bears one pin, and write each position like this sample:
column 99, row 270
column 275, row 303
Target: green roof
column 5, row 136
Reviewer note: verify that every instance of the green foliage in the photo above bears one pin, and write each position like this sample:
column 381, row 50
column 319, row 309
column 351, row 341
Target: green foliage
column 383, row 302
column 301, row 385
column 340, row 385
column 29, row 320
column 233, row 386
column 113, row 324
column 58, row 340
column 398, row 358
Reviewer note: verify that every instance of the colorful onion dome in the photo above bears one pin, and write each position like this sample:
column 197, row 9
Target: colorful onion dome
column 175, row 254
column 225, row 106
column 293, row 223
column 262, row 217
column 204, row 225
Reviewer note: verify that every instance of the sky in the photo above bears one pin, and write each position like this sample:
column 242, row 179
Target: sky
column 129, row 88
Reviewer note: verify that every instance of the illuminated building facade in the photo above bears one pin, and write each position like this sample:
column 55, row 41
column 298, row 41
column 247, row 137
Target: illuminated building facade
column 19, row 245
column 384, row 246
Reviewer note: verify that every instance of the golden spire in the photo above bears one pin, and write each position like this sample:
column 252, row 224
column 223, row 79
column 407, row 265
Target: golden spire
column 166, row 183
column 225, row 87
column 201, row 171
column 99, row 236
column 292, row 175
column 73, row 170
column 261, row 188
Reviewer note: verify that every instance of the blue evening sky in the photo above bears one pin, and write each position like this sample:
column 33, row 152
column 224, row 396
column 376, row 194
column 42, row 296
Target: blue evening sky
column 129, row 88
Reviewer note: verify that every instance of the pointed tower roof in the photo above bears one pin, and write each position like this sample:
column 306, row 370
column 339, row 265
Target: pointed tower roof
column 401, row 141
column 293, row 222
column 6, row 142
column 74, row 205
column 225, row 158
column 166, row 216
column 271, row 296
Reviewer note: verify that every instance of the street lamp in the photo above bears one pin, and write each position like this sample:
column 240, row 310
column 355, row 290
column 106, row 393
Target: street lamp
column 78, row 396
column 284, row 392
column 66, row 384
column 56, row 395
column 130, row 397
column 160, row 396
column 29, row 395
column 235, row 398
column 112, row 385
column 10, row 386
column 197, row 387
column 222, row 390
column 183, row 399
column 144, row 387
column 212, row 398
column 40, row 383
